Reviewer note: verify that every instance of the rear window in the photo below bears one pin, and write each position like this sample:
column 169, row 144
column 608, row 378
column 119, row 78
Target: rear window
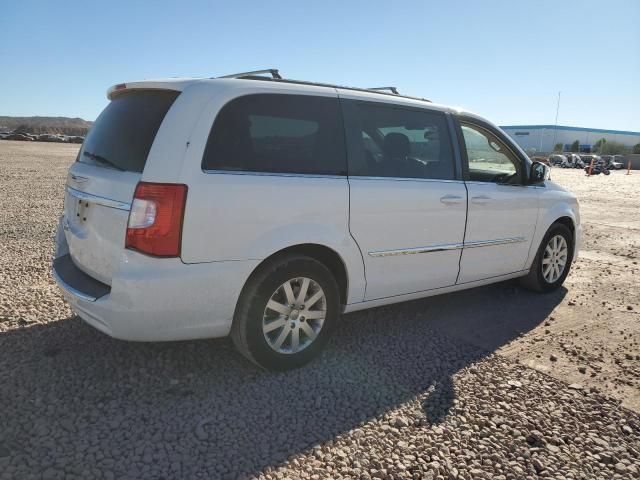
column 122, row 135
column 278, row 134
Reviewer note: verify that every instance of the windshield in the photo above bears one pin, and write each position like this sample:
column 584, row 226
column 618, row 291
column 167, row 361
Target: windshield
column 122, row 135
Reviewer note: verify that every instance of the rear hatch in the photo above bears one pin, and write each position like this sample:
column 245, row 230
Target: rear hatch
column 102, row 181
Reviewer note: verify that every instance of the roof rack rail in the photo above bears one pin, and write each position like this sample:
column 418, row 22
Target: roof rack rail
column 273, row 71
column 276, row 77
column 391, row 89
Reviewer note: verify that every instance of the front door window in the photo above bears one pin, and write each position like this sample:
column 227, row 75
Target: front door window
column 489, row 159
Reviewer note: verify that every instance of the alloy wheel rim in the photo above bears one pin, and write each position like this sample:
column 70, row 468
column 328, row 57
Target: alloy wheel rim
column 554, row 260
column 294, row 315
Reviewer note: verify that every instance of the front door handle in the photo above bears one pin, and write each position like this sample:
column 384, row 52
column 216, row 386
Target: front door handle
column 451, row 199
column 480, row 199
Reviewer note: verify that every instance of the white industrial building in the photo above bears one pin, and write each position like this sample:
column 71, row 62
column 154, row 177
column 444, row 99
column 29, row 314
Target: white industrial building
column 542, row 138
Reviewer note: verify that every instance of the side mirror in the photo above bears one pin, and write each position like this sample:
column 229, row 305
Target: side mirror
column 539, row 173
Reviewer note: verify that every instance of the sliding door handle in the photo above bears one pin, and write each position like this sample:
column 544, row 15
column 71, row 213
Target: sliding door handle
column 451, row 199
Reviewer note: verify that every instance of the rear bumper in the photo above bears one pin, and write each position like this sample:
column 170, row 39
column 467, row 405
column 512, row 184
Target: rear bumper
column 156, row 299
column 76, row 282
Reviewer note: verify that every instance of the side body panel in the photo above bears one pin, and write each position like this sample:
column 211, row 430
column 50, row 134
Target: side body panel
column 410, row 240
column 555, row 202
column 505, row 215
column 501, row 217
column 410, row 230
column 236, row 216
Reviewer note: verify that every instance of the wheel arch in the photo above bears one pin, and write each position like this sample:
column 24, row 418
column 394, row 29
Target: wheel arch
column 567, row 222
column 323, row 254
column 561, row 213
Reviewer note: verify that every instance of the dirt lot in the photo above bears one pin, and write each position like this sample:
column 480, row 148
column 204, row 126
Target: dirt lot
column 495, row 382
column 591, row 338
column 594, row 333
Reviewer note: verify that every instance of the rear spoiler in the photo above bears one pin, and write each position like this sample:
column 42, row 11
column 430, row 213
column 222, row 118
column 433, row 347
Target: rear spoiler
column 177, row 84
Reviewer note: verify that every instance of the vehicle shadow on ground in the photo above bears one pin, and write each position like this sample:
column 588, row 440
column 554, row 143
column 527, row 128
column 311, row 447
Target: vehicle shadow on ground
column 187, row 409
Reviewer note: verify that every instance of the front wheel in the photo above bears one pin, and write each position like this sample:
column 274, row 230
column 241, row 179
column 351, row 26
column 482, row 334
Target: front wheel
column 553, row 260
column 286, row 313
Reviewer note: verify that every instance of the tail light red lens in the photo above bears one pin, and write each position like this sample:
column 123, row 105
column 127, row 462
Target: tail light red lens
column 155, row 219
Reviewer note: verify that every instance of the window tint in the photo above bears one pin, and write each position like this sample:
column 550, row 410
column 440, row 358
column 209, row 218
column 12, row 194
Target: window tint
column 279, row 134
column 122, row 135
column 389, row 141
column 489, row 159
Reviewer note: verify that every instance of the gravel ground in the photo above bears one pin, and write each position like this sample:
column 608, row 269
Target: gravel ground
column 407, row 391
column 592, row 337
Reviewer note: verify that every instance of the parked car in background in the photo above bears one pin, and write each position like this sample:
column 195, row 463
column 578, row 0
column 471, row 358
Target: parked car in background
column 558, row 160
column 613, row 162
column 618, row 162
column 263, row 208
column 20, row 136
column 573, row 161
column 45, row 137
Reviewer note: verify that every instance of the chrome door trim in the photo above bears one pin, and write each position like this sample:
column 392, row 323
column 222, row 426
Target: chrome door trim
column 405, row 179
column 498, row 241
column 412, row 251
column 105, row 202
column 446, row 247
column 270, row 174
column 517, row 185
column 318, row 175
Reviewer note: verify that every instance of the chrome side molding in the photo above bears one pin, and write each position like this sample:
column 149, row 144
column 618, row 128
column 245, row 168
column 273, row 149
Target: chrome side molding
column 499, row 241
column 442, row 248
column 412, row 251
column 105, row 202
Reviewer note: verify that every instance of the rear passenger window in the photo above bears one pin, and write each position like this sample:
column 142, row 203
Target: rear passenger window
column 390, row 141
column 278, row 134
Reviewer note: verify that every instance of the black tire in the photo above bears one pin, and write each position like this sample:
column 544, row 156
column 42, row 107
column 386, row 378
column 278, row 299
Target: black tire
column 535, row 279
column 246, row 331
column 606, row 172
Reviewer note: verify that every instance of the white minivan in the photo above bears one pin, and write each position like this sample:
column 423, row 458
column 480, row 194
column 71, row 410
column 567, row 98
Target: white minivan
column 264, row 208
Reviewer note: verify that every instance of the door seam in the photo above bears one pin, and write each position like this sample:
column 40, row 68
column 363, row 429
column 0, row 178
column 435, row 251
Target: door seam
column 464, row 236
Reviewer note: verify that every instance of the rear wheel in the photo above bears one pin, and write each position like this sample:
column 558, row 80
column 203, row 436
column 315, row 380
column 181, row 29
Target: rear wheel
column 553, row 260
column 286, row 313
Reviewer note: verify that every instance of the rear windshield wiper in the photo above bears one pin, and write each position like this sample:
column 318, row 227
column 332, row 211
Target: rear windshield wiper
column 101, row 159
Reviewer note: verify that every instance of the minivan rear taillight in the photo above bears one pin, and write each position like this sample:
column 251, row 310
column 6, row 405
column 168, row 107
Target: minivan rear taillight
column 155, row 219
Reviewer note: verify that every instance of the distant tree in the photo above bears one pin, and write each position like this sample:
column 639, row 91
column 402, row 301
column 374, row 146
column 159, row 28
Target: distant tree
column 636, row 148
column 599, row 145
column 558, row 148
column 575, row 146
column 613, row 148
